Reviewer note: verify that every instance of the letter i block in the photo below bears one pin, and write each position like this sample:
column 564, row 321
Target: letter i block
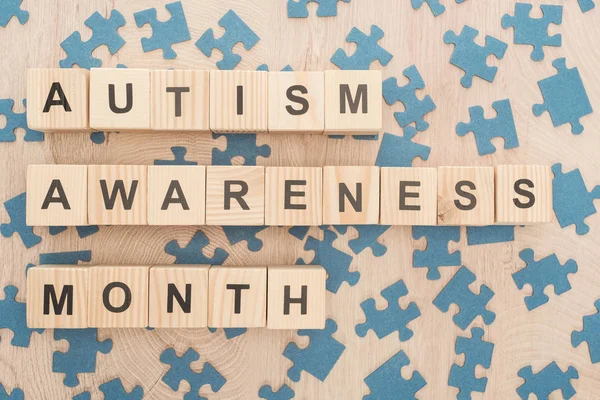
column 408, row 196
column 178, row 296
column 294, row 196
column 180, row 100
column 118, row 297
column 120, row 99
column 176, row 194
column 57, row 296
column 296, row 297
column 57, row 99
column 523, row 194
column 350, row 195
column 117, row 194
column 237, row 297
column 235, row 195
column 57, row 195
column 465, row 195
column 238, row 101
column 296, row 102
column 353, row 102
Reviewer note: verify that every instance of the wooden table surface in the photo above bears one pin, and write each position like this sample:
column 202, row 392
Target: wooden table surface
column 521, row 337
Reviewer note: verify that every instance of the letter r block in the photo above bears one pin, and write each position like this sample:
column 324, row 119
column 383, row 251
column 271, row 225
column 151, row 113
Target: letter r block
column 408, row 196
column 350, row 195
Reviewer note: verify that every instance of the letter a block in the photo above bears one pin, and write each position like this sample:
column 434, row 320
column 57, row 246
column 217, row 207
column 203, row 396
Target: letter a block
column 57, row 296
column 350, row 195
column 57, row 195
column 296, row 297
column 408, row 196
column 465, row 195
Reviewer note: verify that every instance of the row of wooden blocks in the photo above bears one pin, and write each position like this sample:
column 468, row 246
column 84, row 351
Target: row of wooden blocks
column 67, row 195
column 176, row 296
column 118, row 99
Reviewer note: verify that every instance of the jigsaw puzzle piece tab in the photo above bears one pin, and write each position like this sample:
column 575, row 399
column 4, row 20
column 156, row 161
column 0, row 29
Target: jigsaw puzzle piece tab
column 434, row 5
column 237, row 234
column 586, row 5
column 299, row 9
column 13, row 315
column 239, row 145
column 387, row 383
column 16, row 394
column 367, row 50
column 590, row 334
column 12, row 8
column 14, row 121
column 368, row 237
column 114, row 390
column 546, row 381
column 436, row 253
column 284, row 393
column 164, row 34
column 477, row 352
column 179, row 153
column 15, row 209
column 399, row 151
column 192, row 253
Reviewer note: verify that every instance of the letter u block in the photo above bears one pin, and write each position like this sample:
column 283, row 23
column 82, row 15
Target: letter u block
column 350, row 195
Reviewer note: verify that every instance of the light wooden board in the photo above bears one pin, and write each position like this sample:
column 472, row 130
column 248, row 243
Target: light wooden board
column 255, row 358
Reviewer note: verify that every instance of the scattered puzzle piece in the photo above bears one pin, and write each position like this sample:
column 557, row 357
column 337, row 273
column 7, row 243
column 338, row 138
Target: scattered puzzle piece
column 164, row 34
column 368, row 236
column 14, row 121
column 13, row 316
column 477, row 352
column 284, row 393
column 236, row 234
column 436, row 253
column 180, row 371
column 546, row 381
column 230, row 333
column 490, row 234
column 565, row 98
column 391, row 319
column 66, row 257
column 471, row 57
column 367, row 50
column 534, row 31
column 12, row 8
column 434, row 5
column 82, row 231
column 319, row 357
column 387, row 383
column 299, row 9
column 15, row 208
column 105, row 32
column 239, row 145
column 484, row 129
column 471, row 305
column 114, row 390
column 586, row 5
column 399, row 151
column 179, row 153
column 16, row 394
column 590, row 334
column 236, row 31
column 83, row 396
column 299, row 232
column 571, row 200
column 192, row 253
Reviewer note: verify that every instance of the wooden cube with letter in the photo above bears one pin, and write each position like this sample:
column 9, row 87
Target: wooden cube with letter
column 408, row 196
column 350, row 195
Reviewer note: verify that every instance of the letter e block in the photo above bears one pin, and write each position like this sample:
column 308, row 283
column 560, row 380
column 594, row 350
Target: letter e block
column 408, row 196
column 465, row 195
column 350, row 195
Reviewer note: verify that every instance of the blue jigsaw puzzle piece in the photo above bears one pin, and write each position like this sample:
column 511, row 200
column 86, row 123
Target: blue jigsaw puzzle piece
column 83, row 396
column 586, row 5
column 502, row 125
column 284, row 393
column 179, row 153
column 239, row 145
column 387, row 383
column 66, row 257
column 82, row 231
column 471, row 305
column 230, row 333
column 436, row 253
column 490, row 234
column 434, row 5
column 15, row 208
column 114, row 390
column 192, row 253
column 164, row 34
column 299, row 232
column 236, row 31
column 299, row 9
column 13, row 316
column 565, row 97
column 265, row 67
column 399, row 151
column 368, row 237
column 477, row 352
column 12, row 8
column 16, row 120
column 590, row 334
column 105, row 32
column 391, row 319
column 16, row 394
column 319, row 357
column 571, row 200
column 367, row 50
column 180, row 371
column 539, row 274
column 546, row 381
column 236, row 234
column 471, row 57
column 414, row 108
column 534, row 31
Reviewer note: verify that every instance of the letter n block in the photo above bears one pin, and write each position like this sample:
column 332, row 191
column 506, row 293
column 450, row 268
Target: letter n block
column 237, row 297
column 57, row 195
column 118, row 297
column 350, row 195
column 178, row 296
column 465, row 195
column 296, row 297
column 408, row 196
column 57, row 296
column 353, row 102
column 235, row 195
column 523, row 194
column 117, row 194
column 57, row 99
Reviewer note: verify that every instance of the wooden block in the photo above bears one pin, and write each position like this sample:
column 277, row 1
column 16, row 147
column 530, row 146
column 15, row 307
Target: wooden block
column 237, row 297
column 465, row 195
column 57, row 195
column 353, row 102
column 57, row 296
column 120, row 99
column 294, row 196
column 296, row 102
column 523, row 194
column 176, row 194
column 296, row 297
column 409, row 196
column 235, row 195
column 118, row 297
column 57, row 99
column 350, row 195
column 180, row 100
column 178, row 296
column 117, row 194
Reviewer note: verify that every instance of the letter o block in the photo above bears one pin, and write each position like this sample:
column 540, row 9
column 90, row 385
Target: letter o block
column 465, row 195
